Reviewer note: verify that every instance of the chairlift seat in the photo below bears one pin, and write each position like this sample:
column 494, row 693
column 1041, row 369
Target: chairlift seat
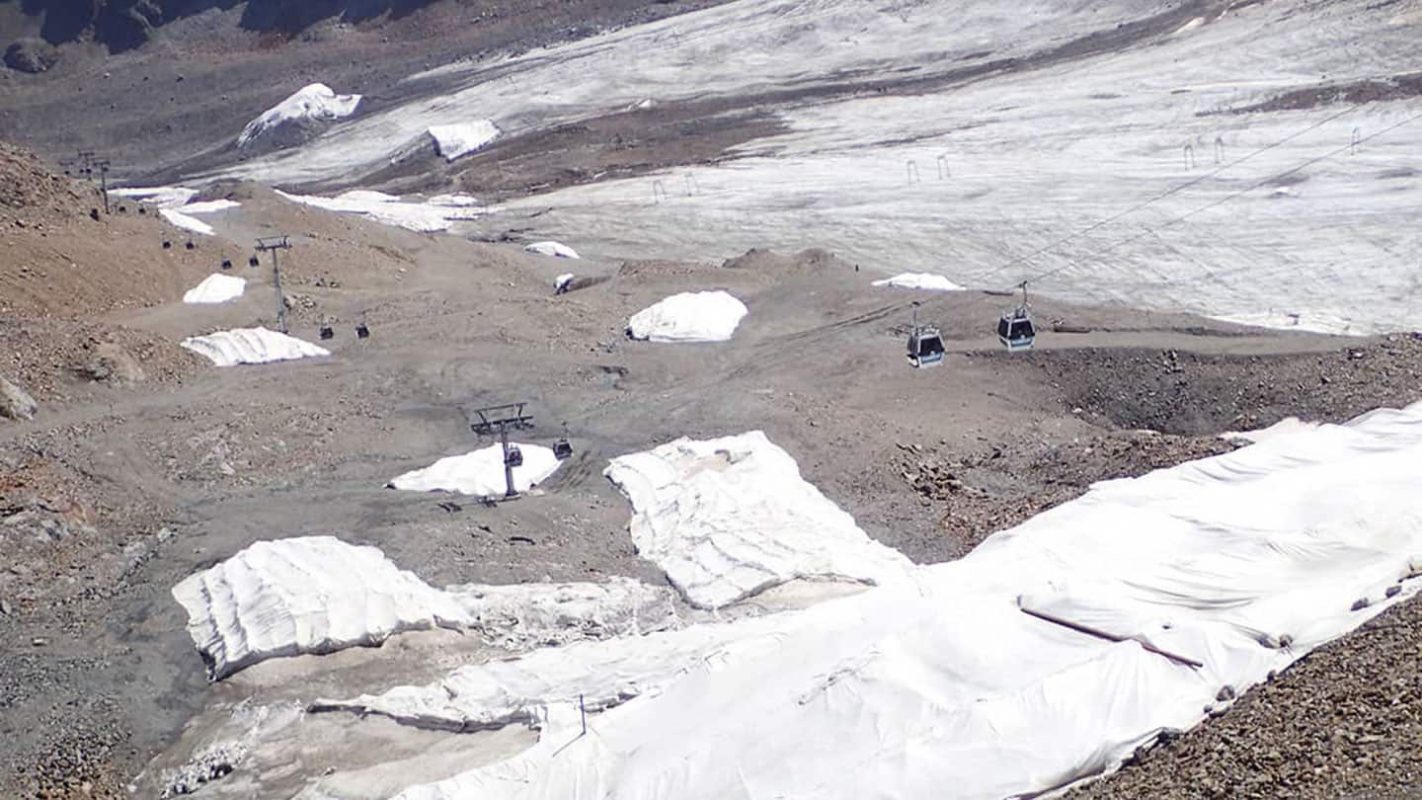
column 362, row 332
column 514, row 456
column 562, row 449
column 253, row 261
column 327, row 332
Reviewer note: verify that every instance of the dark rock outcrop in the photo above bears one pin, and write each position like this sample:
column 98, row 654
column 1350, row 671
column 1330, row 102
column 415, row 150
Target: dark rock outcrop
column 125, row 24
column 31, row 55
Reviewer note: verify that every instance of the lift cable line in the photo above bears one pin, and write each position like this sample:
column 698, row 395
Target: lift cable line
column 1167, row 193
column 1151, row 230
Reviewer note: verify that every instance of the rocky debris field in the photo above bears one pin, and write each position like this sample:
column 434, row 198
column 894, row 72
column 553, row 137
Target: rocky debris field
column 1346, row 722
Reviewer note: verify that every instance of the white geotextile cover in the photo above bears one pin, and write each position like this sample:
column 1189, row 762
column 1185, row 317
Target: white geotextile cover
column 251, row 346
column 938, row 686
column 318, row 594
column 551, row 248
column 920, row 280
column 689, row 317
column 216, row 288
column 730, row 517
column 481, row 472
column 314, row 101
column 425, row 217
column 462, row 138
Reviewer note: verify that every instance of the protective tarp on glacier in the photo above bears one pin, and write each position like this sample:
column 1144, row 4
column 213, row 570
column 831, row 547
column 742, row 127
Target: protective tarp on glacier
column 936, row 683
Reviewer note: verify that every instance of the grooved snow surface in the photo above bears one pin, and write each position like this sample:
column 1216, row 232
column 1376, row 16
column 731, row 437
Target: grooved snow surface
column 462, row 138
column 920, row 280
column 389, row 209
column 216, row 288
column 319, row 594
column 481, row 473
column 557, row 249
column 689, row 317
column 315, row 101
column 251, row 346
column 937, row 685
column 730, row 517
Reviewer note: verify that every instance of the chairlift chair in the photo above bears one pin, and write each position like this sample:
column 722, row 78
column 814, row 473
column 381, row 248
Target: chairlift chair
column 925, row 344
column 1015, row 328
column 253, row 261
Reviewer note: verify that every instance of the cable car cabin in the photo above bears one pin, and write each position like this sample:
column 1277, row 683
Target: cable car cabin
column 925, row 347
column 562, row 449
column 1016, row 331
column 513, row 457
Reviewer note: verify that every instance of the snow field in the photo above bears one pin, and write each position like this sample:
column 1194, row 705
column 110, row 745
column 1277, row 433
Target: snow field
column 481, row 473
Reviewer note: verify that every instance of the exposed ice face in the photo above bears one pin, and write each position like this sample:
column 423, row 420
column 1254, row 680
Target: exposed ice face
column 728, row 518
column 216, row 288
column 251, row 346
column 689, row 317
column 462, row 138
column 315, row 102
column 481, row 473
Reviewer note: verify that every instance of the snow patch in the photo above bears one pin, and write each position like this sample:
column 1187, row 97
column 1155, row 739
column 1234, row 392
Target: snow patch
column 160, row 196
column 388, row 209
column 462, row 138
column 454, row 200
column 209, row 206
column 216, row 288
column 689, row 317
column 481, row 473
column 920, row 280
column 730, row 517
column 319, row 594
column 557, row 249
column 251, row 346
column 186, row 222
column 1284, row 427
column 314, row 102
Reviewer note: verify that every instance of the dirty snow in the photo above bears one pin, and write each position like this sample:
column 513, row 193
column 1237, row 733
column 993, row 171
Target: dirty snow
column 1284, row 427
column 318, row 594
column 425, row 217
column 251, row 346
column 462, row 138
column 728, row 518
column 689, row 317
column 481, row 473
column 316, row 101
column 216, row 288
column 557, row 249
column 920, row 280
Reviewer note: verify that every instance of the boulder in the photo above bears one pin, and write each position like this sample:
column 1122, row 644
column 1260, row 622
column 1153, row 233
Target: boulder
column 15, row 403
